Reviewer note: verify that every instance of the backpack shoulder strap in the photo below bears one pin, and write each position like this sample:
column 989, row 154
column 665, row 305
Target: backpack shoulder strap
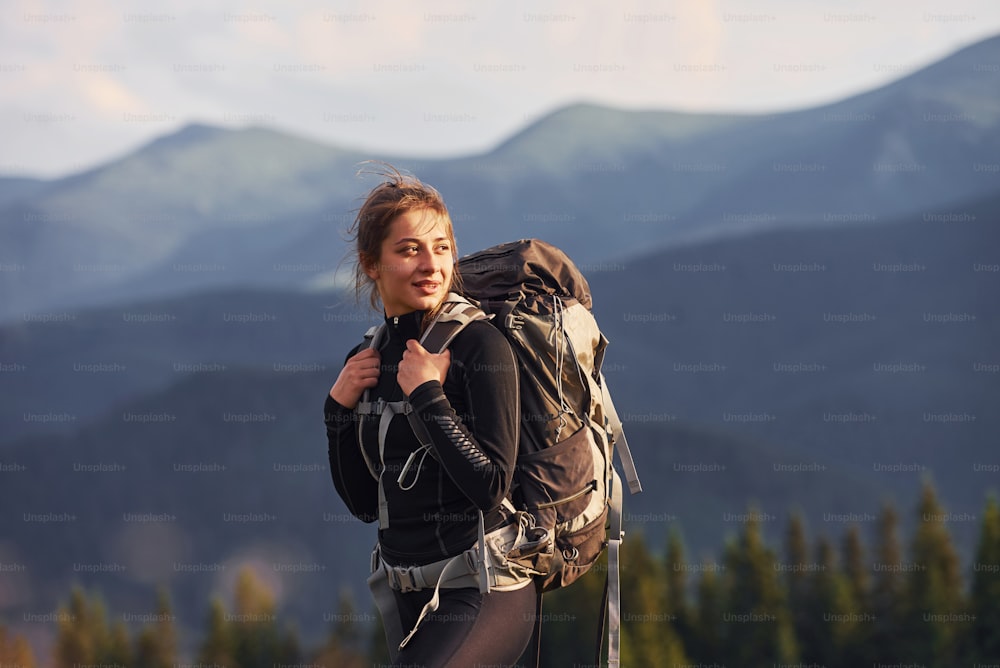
column 372, row 339
column 456, row 313
column 383, row 412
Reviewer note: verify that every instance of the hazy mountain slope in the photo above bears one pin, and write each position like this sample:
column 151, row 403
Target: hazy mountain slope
column 200, row 197
column 863, row 345
column 928, row 139
column 806, row 323
column 13, row 188
column 79, row 364
column 214, row 207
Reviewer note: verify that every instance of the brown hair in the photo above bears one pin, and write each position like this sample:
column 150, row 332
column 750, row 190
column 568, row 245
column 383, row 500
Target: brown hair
column 397, row 194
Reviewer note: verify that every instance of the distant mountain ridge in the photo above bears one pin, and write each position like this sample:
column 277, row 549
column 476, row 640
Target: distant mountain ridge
column 211, row 207
column 794, row 324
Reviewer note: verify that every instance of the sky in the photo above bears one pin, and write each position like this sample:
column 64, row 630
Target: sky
column 82, row 83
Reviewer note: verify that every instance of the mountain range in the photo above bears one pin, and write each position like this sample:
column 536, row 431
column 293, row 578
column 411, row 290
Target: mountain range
column 207, row 206
column 802, row 309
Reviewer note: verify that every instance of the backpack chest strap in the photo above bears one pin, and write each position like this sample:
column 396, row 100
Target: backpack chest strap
column 386, row 410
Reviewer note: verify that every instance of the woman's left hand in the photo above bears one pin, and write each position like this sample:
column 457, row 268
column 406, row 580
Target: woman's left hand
column 419, row 366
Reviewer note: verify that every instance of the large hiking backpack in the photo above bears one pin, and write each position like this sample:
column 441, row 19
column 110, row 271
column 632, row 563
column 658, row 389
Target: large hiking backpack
column 570, row 429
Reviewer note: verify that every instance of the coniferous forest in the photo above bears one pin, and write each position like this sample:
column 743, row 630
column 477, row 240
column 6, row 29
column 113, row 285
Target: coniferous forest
column 814, row 600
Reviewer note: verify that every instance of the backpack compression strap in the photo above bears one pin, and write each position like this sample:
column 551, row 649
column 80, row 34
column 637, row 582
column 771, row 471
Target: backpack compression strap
column 614, row 583
column 616, row 531
column 621, row 445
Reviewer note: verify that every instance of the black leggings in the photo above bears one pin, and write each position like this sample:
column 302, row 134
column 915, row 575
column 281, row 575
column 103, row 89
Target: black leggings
column 468, row 628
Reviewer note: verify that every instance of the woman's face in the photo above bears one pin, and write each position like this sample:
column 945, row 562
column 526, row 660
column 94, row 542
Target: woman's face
column 415, row 265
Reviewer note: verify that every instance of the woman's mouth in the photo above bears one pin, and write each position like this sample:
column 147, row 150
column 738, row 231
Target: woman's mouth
column 428, row 287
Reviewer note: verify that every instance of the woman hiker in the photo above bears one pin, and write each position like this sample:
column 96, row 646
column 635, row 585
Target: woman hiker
column 433, row 499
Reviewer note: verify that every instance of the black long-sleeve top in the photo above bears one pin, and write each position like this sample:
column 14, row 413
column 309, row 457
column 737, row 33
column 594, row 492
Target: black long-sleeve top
column 473, row 423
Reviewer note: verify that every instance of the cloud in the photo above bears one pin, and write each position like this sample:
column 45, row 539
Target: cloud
column 436, row 79
column 108, row 97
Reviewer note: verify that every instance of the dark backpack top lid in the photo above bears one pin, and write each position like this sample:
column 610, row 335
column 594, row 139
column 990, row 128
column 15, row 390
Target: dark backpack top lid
column 528, row 266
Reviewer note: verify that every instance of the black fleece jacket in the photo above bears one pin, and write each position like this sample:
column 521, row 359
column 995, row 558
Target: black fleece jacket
column 473, row 425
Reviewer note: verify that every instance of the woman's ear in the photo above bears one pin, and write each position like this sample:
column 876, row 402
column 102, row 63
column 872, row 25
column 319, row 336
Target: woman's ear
column 370, row 267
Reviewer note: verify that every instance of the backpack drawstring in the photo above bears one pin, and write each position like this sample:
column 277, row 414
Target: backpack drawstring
column 409, row 463
column 557, row 339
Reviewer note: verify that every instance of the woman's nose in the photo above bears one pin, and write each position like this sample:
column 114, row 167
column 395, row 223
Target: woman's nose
column 429, row 262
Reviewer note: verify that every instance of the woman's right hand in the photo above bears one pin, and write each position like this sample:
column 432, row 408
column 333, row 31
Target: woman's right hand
column 359, row 374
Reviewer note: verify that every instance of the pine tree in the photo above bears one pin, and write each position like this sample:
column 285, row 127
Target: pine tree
column 795, row 578
column 15, row 651
column 858, row 577
column 378, row 650
column 344, row 642
column 757, row 628
column 705, row 643
column 218, row 647
column 289, row 648
column 887, row 593
column 831, row 605
column 934, row 603
column 157, row 643
column 570, row 618
column 676, row 604
column 985, row 594
column 120, row 647
column 83, row 635
column 73, row 644
column 249, row 637
column 254, row 628
column 648, row 636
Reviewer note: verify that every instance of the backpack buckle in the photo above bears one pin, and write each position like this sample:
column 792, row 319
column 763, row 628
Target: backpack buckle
column 514, row 321
column 402, row 579
column 371, row 407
